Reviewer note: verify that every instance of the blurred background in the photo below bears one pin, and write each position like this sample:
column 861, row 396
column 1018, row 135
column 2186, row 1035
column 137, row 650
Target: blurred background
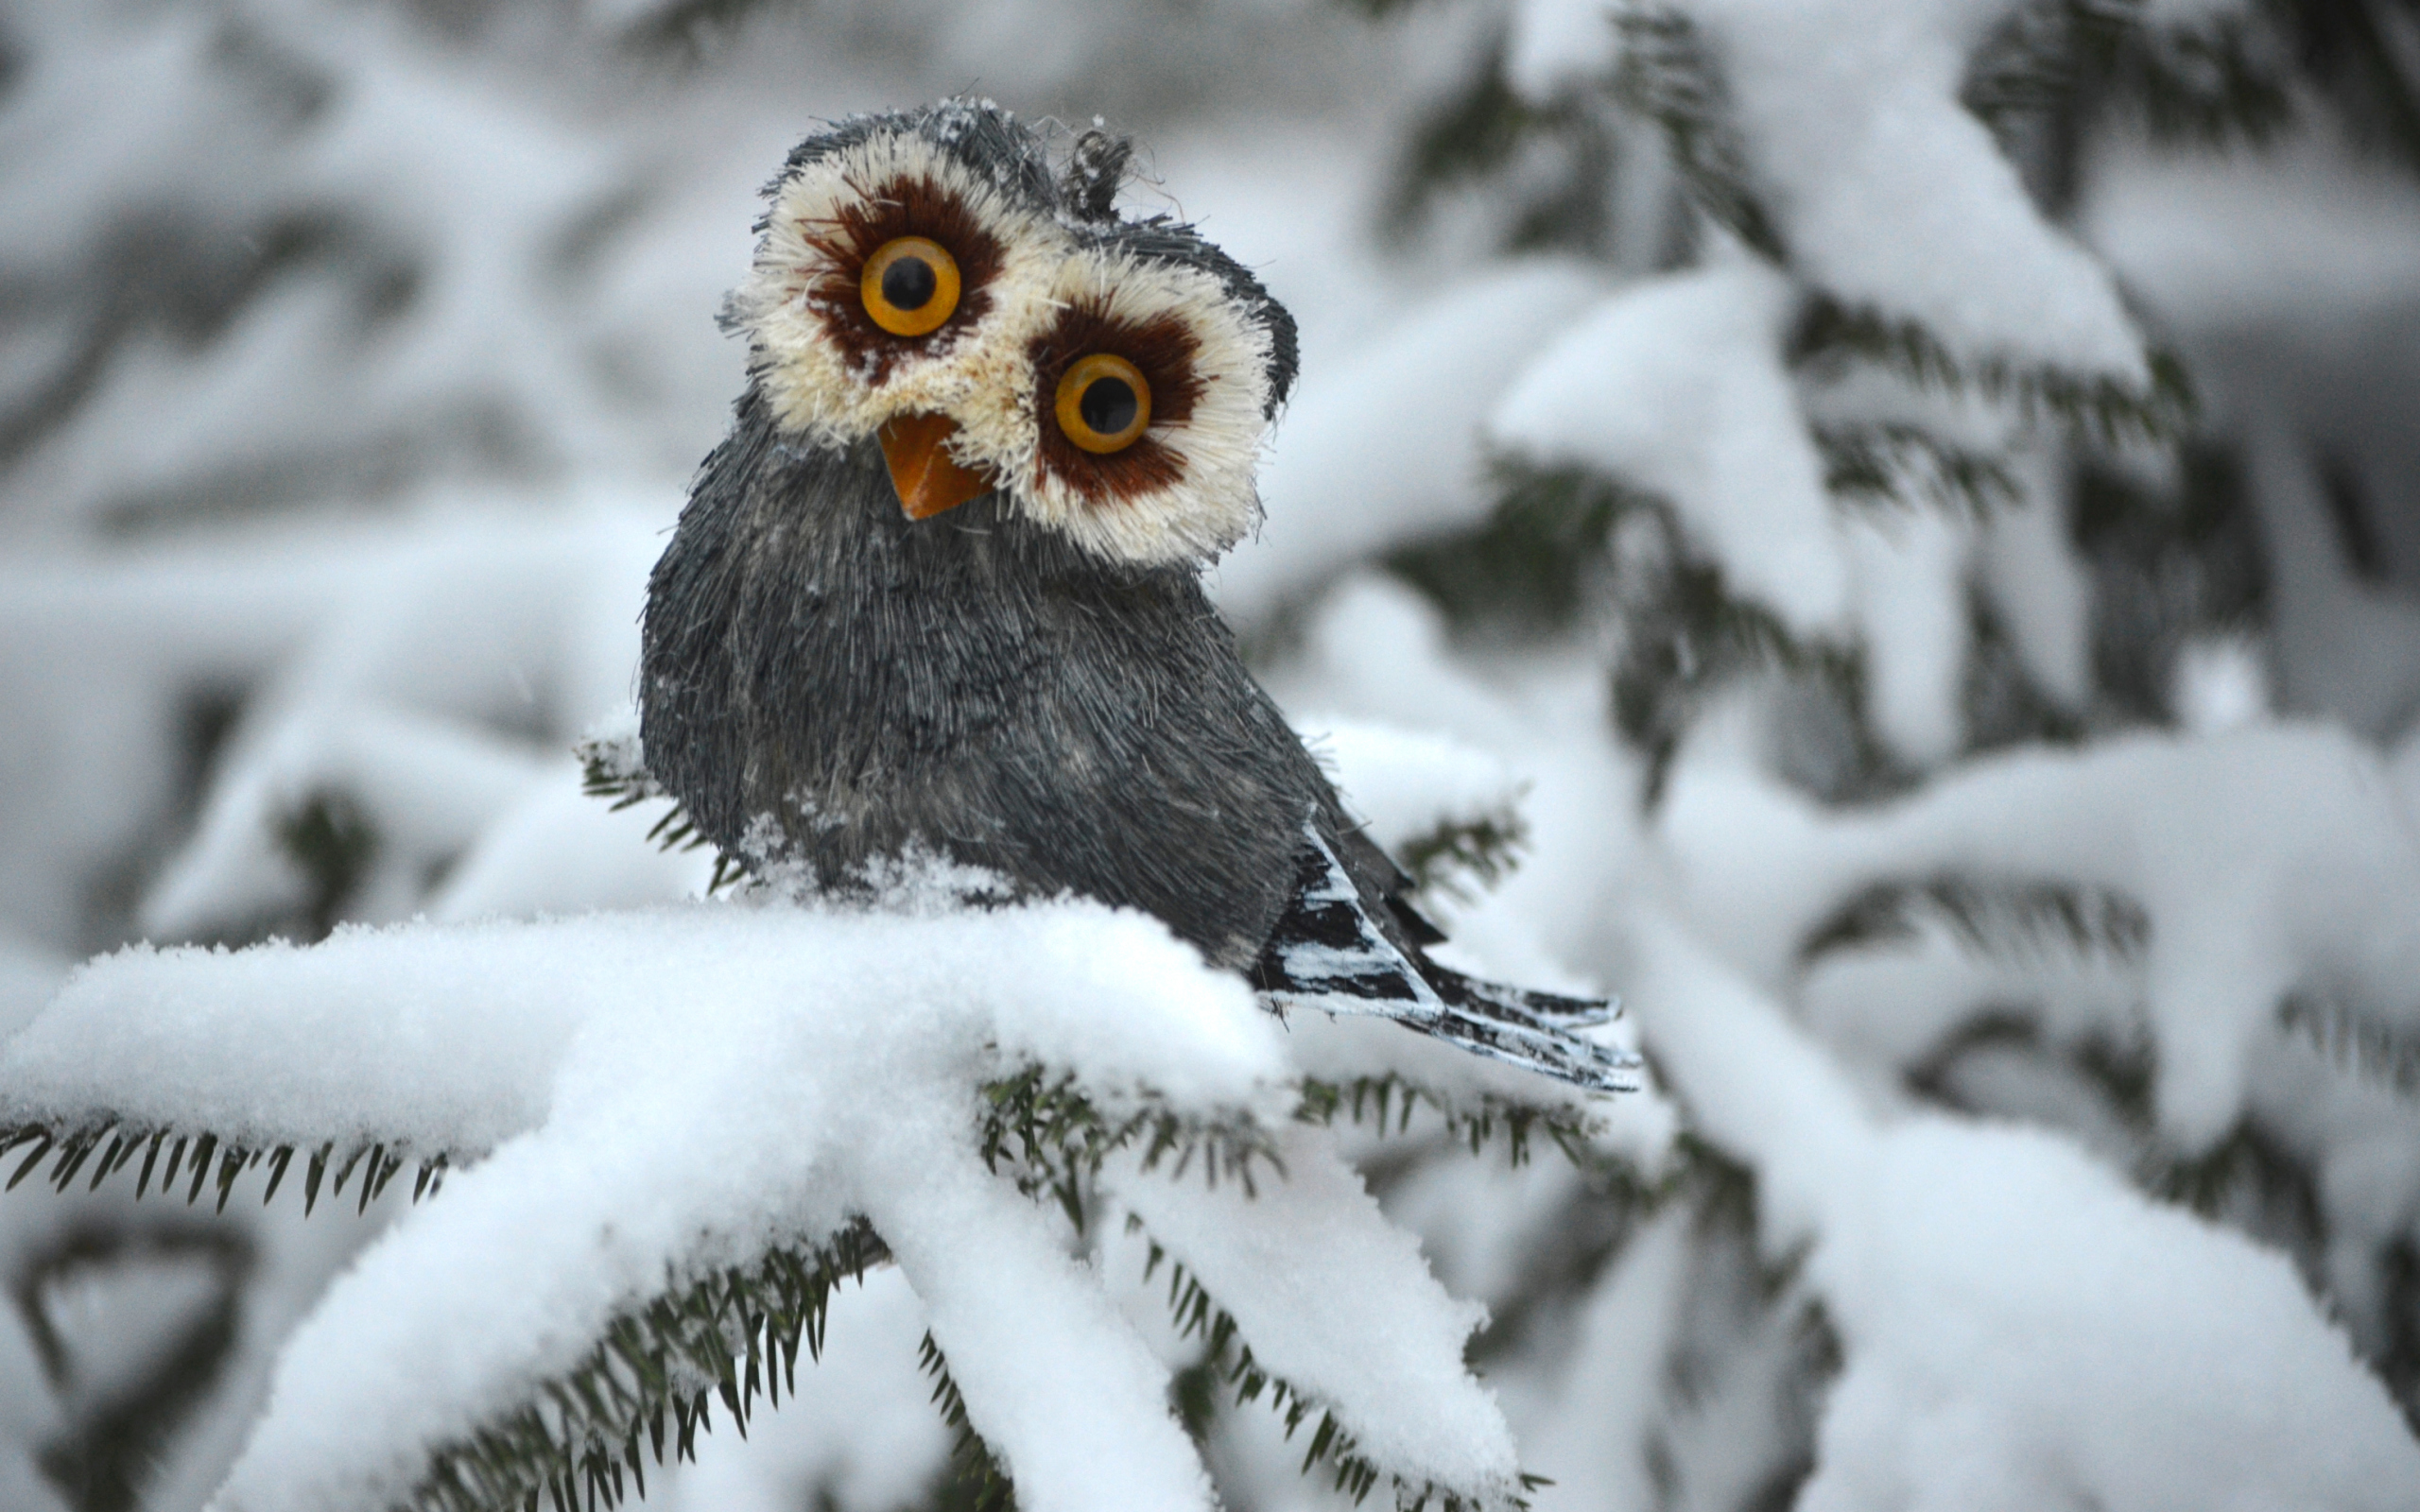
column 355, row 355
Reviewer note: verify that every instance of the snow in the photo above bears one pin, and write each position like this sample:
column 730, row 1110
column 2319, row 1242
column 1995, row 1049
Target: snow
column 665, row 1090
column 1407, row 784
column 1334, row 1300
column 834, row 1054
column 1555, row 46
column 2020, row 1329
column 2193, row 12
column 2270, row 857
column 28, row 1417
column 1523, row 1204
column 2039, row 590
column 1061, row 1386
column 1890, row 195
column 1383, row 446
column 1675, row 385
column 558, row 850
column 860, row 1429
column 2346, row 648
column 1890, row 1005
column 1591, row 1439
column 431, row 787
column 2220, row 683
column 1375, row 653
column 449, row 1037
column 1915, row 626
column 2293, row 234
column 395, row 514
column 2196, row 1369
column 392, row 701
column 29, row 976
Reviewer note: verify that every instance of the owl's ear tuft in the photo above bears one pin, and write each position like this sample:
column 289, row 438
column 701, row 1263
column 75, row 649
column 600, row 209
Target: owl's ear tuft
column 1096, row 167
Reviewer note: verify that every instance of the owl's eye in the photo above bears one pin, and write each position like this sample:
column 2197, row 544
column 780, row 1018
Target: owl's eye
column 909, row 286
column 1104, row 402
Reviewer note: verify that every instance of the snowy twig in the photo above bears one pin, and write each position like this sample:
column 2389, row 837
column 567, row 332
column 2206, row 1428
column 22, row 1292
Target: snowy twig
column 1886, row 461
column 1387, row 1104
column 1666, row 75
column 377, row 1161
column 1197, row 1314
column 1054, row 1139
column 979, row 1469
column 730, row 1334
column 2096, row 404
column 613, row 767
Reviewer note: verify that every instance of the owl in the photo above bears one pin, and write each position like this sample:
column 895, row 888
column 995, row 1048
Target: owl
column 937, row 595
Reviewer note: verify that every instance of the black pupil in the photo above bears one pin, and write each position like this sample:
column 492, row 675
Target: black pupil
column 1108, row 405
column 908, row 282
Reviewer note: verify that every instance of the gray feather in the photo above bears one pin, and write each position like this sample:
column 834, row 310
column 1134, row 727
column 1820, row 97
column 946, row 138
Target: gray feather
column 828, row 685
column 972, row 684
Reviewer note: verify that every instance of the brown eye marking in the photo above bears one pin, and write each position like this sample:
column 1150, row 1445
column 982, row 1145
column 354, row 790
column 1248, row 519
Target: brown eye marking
column 851, row 237
column 1162, row 350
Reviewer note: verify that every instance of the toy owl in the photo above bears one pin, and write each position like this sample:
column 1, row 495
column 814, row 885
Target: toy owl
column 938, row 592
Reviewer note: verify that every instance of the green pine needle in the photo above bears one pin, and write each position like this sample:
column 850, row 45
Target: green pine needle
column 1989, row 918
column 199, row 1161
column 1669, row 76
column 647, row 1387
column 1389, row 1104
column 2100, row 409
column 2217, row 81
column 1462, row 858
column 1910, row 465
column 1197, row 1314
column 1052, row 1139
column 2382, row 1055
column 979, row 1471
column 614, row 769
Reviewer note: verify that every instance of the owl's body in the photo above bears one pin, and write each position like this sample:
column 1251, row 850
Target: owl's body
column 937, row 595
column 968, row 684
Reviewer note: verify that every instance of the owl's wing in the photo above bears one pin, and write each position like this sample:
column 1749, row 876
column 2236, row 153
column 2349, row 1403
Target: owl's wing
column 1328, row 952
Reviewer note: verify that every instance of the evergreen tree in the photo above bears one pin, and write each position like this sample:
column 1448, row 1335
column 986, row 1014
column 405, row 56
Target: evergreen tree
column 1791, row 543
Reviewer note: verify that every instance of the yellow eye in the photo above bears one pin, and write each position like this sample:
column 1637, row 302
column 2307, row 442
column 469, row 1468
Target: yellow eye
column 1104, row 403
column 909, row 286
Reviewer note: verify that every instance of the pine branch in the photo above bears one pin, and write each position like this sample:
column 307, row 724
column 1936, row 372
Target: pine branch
column 190, row 1159
column 977, row 1470
column 1685, row 638
column 1900, row 463
column 2363, row 59
column 2218, row 80
column 1830, row 333
column 1462, row 858
column 1551, row 160
column 1534, row 564
column 2384, row 1056
column 2249, row 1173
column 1995, row 919
column 333, row 843
column 1669, row 76
column 1051, row 1138
column 1389, row 1104
column 1197, row 1314
column 614, row 767
column 648, row 1386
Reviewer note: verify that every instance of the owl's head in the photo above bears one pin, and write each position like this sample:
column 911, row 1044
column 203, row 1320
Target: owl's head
column 924, row 278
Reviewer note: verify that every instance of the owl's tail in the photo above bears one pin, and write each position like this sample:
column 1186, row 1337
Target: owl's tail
column 1327, row 952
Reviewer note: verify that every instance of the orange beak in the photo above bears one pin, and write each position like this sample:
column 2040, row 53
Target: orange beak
column 929, row 480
